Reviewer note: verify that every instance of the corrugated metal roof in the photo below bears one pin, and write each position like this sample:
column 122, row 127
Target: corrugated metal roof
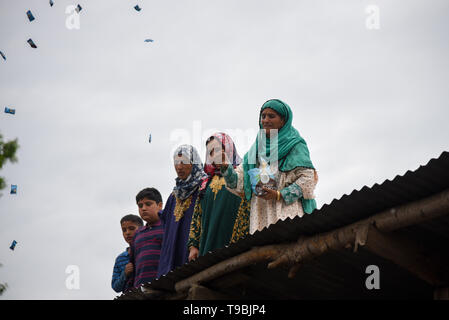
column 427, row 180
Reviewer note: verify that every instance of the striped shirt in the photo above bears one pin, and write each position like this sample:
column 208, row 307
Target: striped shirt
column 118, row 275
column 145, row 252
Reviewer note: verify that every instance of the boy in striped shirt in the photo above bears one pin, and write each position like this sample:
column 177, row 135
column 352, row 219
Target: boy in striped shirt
column 122, row 268
column 146, row 245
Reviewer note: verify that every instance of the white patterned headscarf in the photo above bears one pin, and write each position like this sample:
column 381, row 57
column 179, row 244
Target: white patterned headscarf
column 184, row 188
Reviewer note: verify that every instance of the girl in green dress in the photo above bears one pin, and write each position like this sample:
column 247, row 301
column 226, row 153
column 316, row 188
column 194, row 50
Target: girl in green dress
column 221, row 216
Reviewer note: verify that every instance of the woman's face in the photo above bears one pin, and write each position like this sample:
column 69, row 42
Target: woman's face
column 271, row 120
column 183, row 167
column 214, row 149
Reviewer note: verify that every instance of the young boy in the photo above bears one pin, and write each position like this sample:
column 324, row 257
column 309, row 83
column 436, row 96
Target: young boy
column 122, row 268
column 146, row 245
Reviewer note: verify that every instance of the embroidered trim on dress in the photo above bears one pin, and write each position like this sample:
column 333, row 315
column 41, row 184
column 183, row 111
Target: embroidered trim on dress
column 241, row 225
column 181, row 207
column 217, row 184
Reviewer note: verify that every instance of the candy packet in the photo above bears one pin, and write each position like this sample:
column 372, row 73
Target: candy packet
column 262, row 177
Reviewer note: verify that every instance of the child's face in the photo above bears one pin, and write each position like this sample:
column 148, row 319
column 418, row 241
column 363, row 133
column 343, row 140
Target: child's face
column 129, row 228
column 148, row 210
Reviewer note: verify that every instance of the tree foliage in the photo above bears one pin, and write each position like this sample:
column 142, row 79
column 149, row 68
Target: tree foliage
column 7, row 153
column 3, row 286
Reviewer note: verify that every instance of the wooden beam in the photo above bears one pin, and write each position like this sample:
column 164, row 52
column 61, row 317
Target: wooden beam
column 441, row 294
column 248, row 285
column 413, row 213
column 230, row 280
column 240, row 261
column 176, row 296
column 197, row 292
column 407, row 254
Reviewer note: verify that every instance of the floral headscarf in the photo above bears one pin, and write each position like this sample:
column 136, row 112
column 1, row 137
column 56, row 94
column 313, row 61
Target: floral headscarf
column 230, row 151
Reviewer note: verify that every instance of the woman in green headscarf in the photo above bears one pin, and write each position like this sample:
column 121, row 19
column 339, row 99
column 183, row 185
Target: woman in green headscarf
column 280, row 153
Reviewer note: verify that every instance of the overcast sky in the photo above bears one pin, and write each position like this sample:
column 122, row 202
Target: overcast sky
column 371, row 104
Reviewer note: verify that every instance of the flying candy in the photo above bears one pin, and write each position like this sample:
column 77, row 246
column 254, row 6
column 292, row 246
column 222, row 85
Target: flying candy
column 13, row 245
column 11, row 111
column 3, row 56
column 148, row 40
column 51, row 3
column 13, row 189
column 30, row 15
column 78, row 9
column 137, row 8
column 32, row 43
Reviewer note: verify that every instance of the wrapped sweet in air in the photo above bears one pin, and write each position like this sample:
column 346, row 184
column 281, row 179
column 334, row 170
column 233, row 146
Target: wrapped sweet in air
column 30, row 15
column 2, row 55
column 149, row 140
column 13, row 189
column 31, row 43
column 51, row 3
column 11, row 111
column 78, row 8
column 137, row 8
column 148, row 40
column 13, row 245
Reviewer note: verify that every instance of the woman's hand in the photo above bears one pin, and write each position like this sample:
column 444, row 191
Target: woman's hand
column 221, row 160
column 270, row 194
column 194, row 252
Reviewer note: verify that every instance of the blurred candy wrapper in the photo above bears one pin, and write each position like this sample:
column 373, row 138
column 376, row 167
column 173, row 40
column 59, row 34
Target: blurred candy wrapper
column 11, row 111
column 2, row 55
column 262, row 177
column 13, row 189
column 51, row 3
column 30, row 15
column 78, row 9
column 137, row 8
column 149, row 140
column 31, row 43
column 148, row 40
column 13, row 245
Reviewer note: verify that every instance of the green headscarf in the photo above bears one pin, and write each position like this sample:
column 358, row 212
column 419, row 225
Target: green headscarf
column 292, row 149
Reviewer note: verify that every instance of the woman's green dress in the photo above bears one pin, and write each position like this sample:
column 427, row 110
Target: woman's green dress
column 220, row 218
